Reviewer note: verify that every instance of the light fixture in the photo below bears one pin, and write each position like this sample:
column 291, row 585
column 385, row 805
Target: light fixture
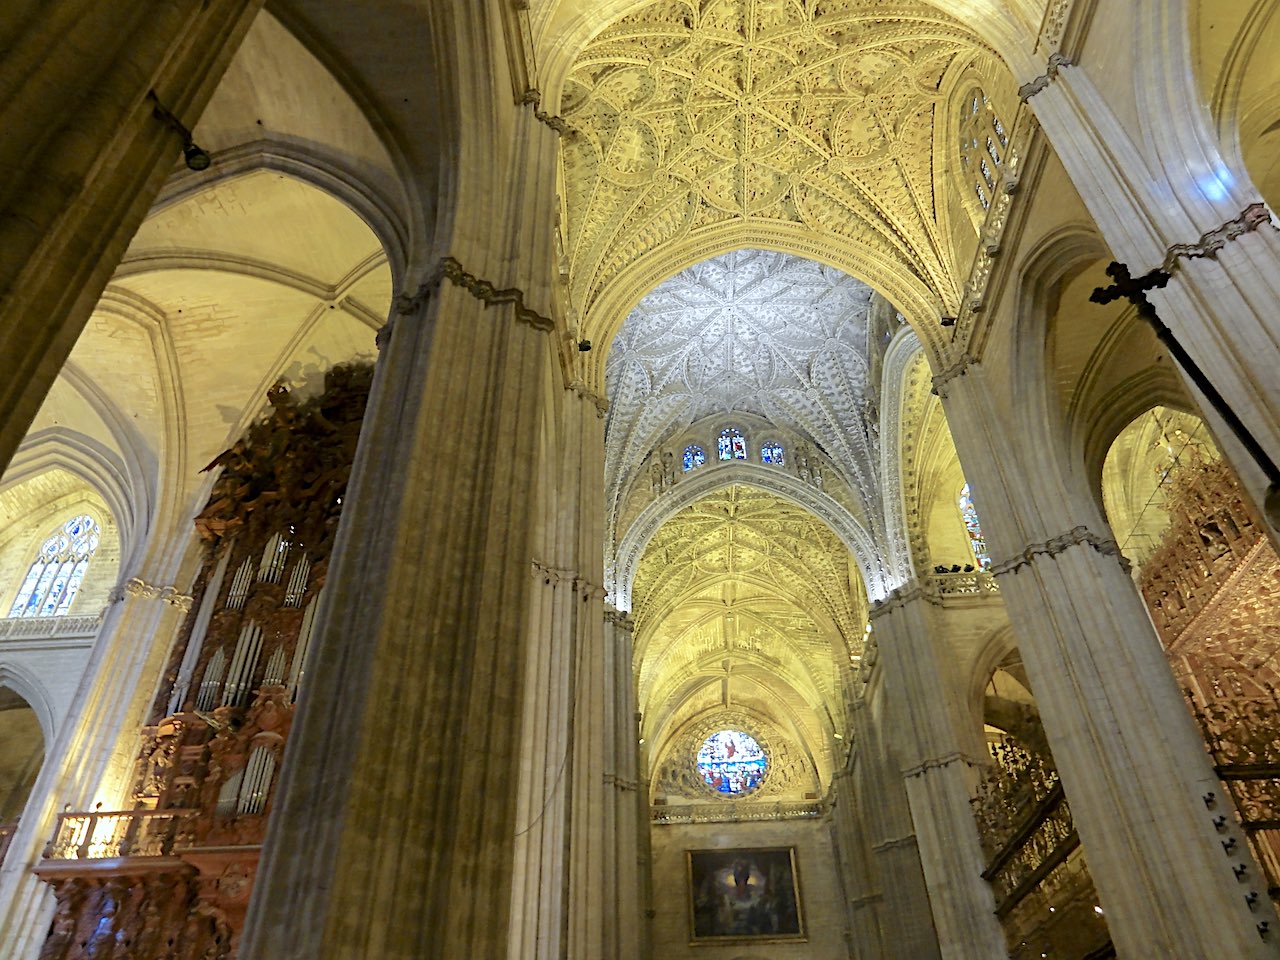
column 195, row 157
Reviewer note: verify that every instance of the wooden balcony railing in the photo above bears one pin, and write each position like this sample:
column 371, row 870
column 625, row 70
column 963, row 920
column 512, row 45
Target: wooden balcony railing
column 109, row 834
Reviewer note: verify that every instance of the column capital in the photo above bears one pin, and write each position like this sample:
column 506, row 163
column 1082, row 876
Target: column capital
column 1057, row 60
column 1211, row 242
column 957, row 369
column 532, row 97
column 1059, row 544
column 937, row 763
column 620, row 619
column 564, row 576
column 140, row 589
column 490, row 294
column 581, row 390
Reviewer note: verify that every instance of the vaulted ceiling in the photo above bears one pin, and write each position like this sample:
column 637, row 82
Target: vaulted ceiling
column 686, row 116
column 744, row 600
column 755, row 332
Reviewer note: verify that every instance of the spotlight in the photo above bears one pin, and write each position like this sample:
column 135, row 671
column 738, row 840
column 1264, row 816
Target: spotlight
column 584, row 346
column 955, row 568
column 197, row 159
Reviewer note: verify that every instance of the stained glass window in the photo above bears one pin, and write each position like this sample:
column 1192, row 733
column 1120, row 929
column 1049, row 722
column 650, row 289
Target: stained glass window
column 771, row 452
column 54, row 578
column 981, row 153
column 732, row 445
column 976, row 540
column 693, row 457
column 732, row 762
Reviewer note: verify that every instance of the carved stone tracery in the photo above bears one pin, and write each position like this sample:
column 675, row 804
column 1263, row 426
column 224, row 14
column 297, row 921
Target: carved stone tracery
column 688, row 115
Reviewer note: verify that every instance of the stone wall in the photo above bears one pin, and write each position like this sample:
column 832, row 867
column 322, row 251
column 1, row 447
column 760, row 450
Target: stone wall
column 820, row 894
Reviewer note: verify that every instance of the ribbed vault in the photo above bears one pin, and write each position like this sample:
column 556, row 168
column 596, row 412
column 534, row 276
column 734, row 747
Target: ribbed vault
column 754, row 332
column 744, row 601
column 688, row 115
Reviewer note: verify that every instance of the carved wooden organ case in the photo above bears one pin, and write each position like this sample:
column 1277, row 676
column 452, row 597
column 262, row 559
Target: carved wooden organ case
column 171, row 877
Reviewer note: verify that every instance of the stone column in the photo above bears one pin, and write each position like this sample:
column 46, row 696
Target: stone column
column 92, row 755
column 860, row 893
column 603, row 906
column 1131, row 758
column 83, row 157
column 928, row 723
column 394, row 825
column 628, row 799
column 538, row 883
column 905, row 920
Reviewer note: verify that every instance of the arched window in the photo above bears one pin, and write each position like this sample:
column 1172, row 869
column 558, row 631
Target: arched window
column 771, row 452
column 693, row 457
column 983, row 142
column 732, row 445
column 54, row 578
column 976, row 540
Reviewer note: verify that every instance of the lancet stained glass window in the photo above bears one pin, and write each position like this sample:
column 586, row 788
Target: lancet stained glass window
column 732, row 762
column 693, row 457
column 983, row 141
column 771, row 452
column 54, row 578
column 732, row 445
column 976, row 540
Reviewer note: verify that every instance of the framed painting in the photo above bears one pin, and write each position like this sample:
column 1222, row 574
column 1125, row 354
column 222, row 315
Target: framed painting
column 744, row 895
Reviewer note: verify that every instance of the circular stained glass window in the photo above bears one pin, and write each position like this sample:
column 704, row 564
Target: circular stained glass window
column 732, row 762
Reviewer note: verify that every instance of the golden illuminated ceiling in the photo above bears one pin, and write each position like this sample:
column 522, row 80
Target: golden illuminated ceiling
column 745, row 601
column 691, row 115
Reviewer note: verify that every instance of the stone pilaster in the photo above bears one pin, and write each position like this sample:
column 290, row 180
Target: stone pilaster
column 1131, row 759
column 393, row 832
column 937, row 759
column 83, row 157
column 904, row 919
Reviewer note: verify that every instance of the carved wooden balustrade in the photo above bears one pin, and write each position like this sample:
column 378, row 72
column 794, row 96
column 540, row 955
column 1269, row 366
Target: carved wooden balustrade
column 170, row 879
column 105, row 835
column 1044, row 895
